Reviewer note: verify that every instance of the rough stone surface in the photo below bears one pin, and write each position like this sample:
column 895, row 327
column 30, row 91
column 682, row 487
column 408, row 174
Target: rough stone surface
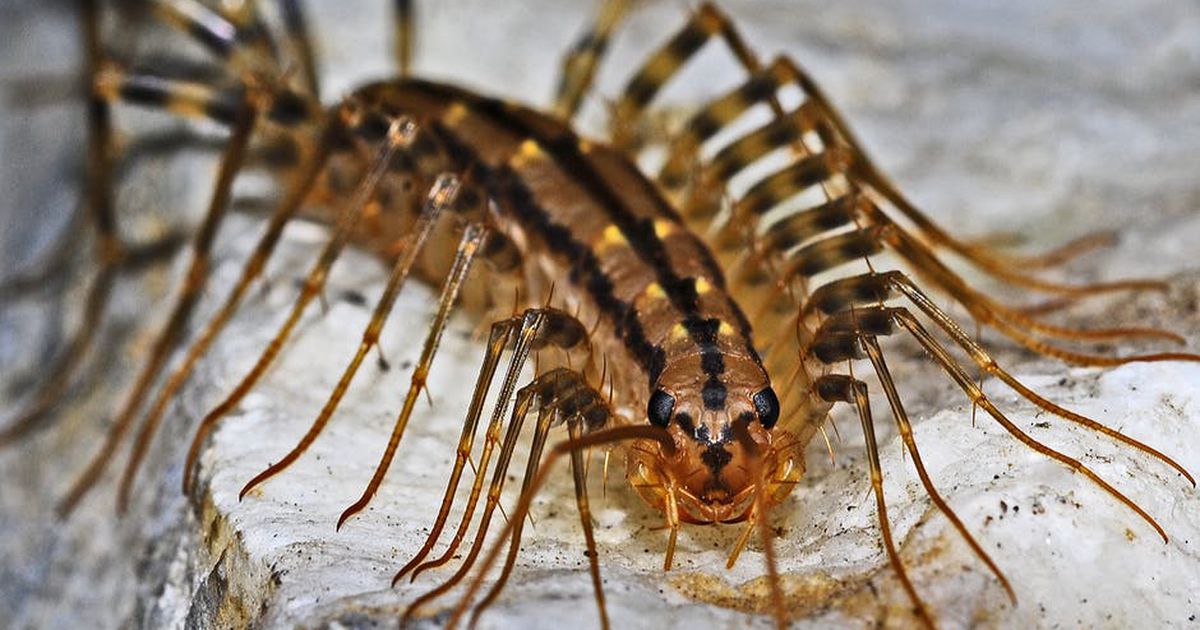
column 1048, row 122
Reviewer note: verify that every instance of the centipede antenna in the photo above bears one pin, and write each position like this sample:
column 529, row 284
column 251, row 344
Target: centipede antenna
column 906, row 433
column 468, row 247
column 579, row 477
column 196, row 280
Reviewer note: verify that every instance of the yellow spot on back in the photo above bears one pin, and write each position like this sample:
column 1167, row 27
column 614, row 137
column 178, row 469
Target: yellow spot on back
column 679, row 332
column 527, row 152
column 456, row 113
column 585, row 146
column 611, row 237
column 664, row 228
column 655, row 291
column 703, row 286
column 724, row 329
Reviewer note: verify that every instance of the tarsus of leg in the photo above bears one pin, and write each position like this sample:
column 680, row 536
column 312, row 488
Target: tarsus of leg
column 606, row 436
column 399, row 134
column 440, row 196
column 531, row 322
column 579, row 65
column 546, row 415
column 196, row 279
column 498, row 339
column 467, row 248
column 858, row 395
column 986, row 311
column 989, row 365
column 579, row 476
column 871, row 345
column 960, row 377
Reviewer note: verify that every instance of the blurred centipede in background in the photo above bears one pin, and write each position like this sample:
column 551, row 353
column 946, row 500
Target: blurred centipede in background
column 668, row 303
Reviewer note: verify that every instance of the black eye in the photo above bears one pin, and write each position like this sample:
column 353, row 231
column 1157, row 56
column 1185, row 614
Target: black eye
column 660, row 408
column 766, row 403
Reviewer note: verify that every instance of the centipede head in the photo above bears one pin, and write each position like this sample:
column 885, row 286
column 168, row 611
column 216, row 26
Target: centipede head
column 724, row 443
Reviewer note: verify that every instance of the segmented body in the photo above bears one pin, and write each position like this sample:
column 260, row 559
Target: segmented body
column 690, row 309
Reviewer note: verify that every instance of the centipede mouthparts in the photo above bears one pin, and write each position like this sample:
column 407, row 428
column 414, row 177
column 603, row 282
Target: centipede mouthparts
column 570, row 344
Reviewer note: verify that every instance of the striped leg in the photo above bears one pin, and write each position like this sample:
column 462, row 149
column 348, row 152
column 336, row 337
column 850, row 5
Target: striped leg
column 299, row 43
column 405, row 37
column 579, row 65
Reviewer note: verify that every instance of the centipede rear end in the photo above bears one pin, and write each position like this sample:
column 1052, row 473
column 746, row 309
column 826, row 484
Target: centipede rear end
column 694, row 286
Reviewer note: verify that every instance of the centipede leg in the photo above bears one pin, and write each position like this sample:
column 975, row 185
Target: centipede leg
column 400, row 134
column 498, row 339
column 196, row 279
column 871, row 345
column 579, row 476
column 598, row 438
column 468, row 247
column 546, row 415
column 879, row 320
column 299, row 41
column 405, row 38
column 989, row 365
column 110, row 252
column 844, row 389
column 579, row 65
column 525, row 398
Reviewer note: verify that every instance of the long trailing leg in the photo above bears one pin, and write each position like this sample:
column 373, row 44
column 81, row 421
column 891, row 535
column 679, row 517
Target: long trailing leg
column 441, row 195
column 299, row 41
column 839, row 339
column 405, row 35
column 168, row 337
column 537, row 328
column 788, row 129
column 399, row 135
column 112, row 255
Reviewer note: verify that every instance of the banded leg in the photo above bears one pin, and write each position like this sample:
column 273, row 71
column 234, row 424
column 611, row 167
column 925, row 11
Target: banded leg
column 399, row 135
column 874, row 288
column 563, row 395
column 579, row 65
column 112, row 255
column 534, row 329
column 236, row 36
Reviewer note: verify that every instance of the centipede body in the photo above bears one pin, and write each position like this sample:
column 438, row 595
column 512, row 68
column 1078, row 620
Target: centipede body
column 337, row 307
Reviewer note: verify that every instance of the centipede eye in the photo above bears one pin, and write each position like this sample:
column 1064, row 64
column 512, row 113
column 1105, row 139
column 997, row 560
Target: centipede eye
column 766, row 403
column 660, row 408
